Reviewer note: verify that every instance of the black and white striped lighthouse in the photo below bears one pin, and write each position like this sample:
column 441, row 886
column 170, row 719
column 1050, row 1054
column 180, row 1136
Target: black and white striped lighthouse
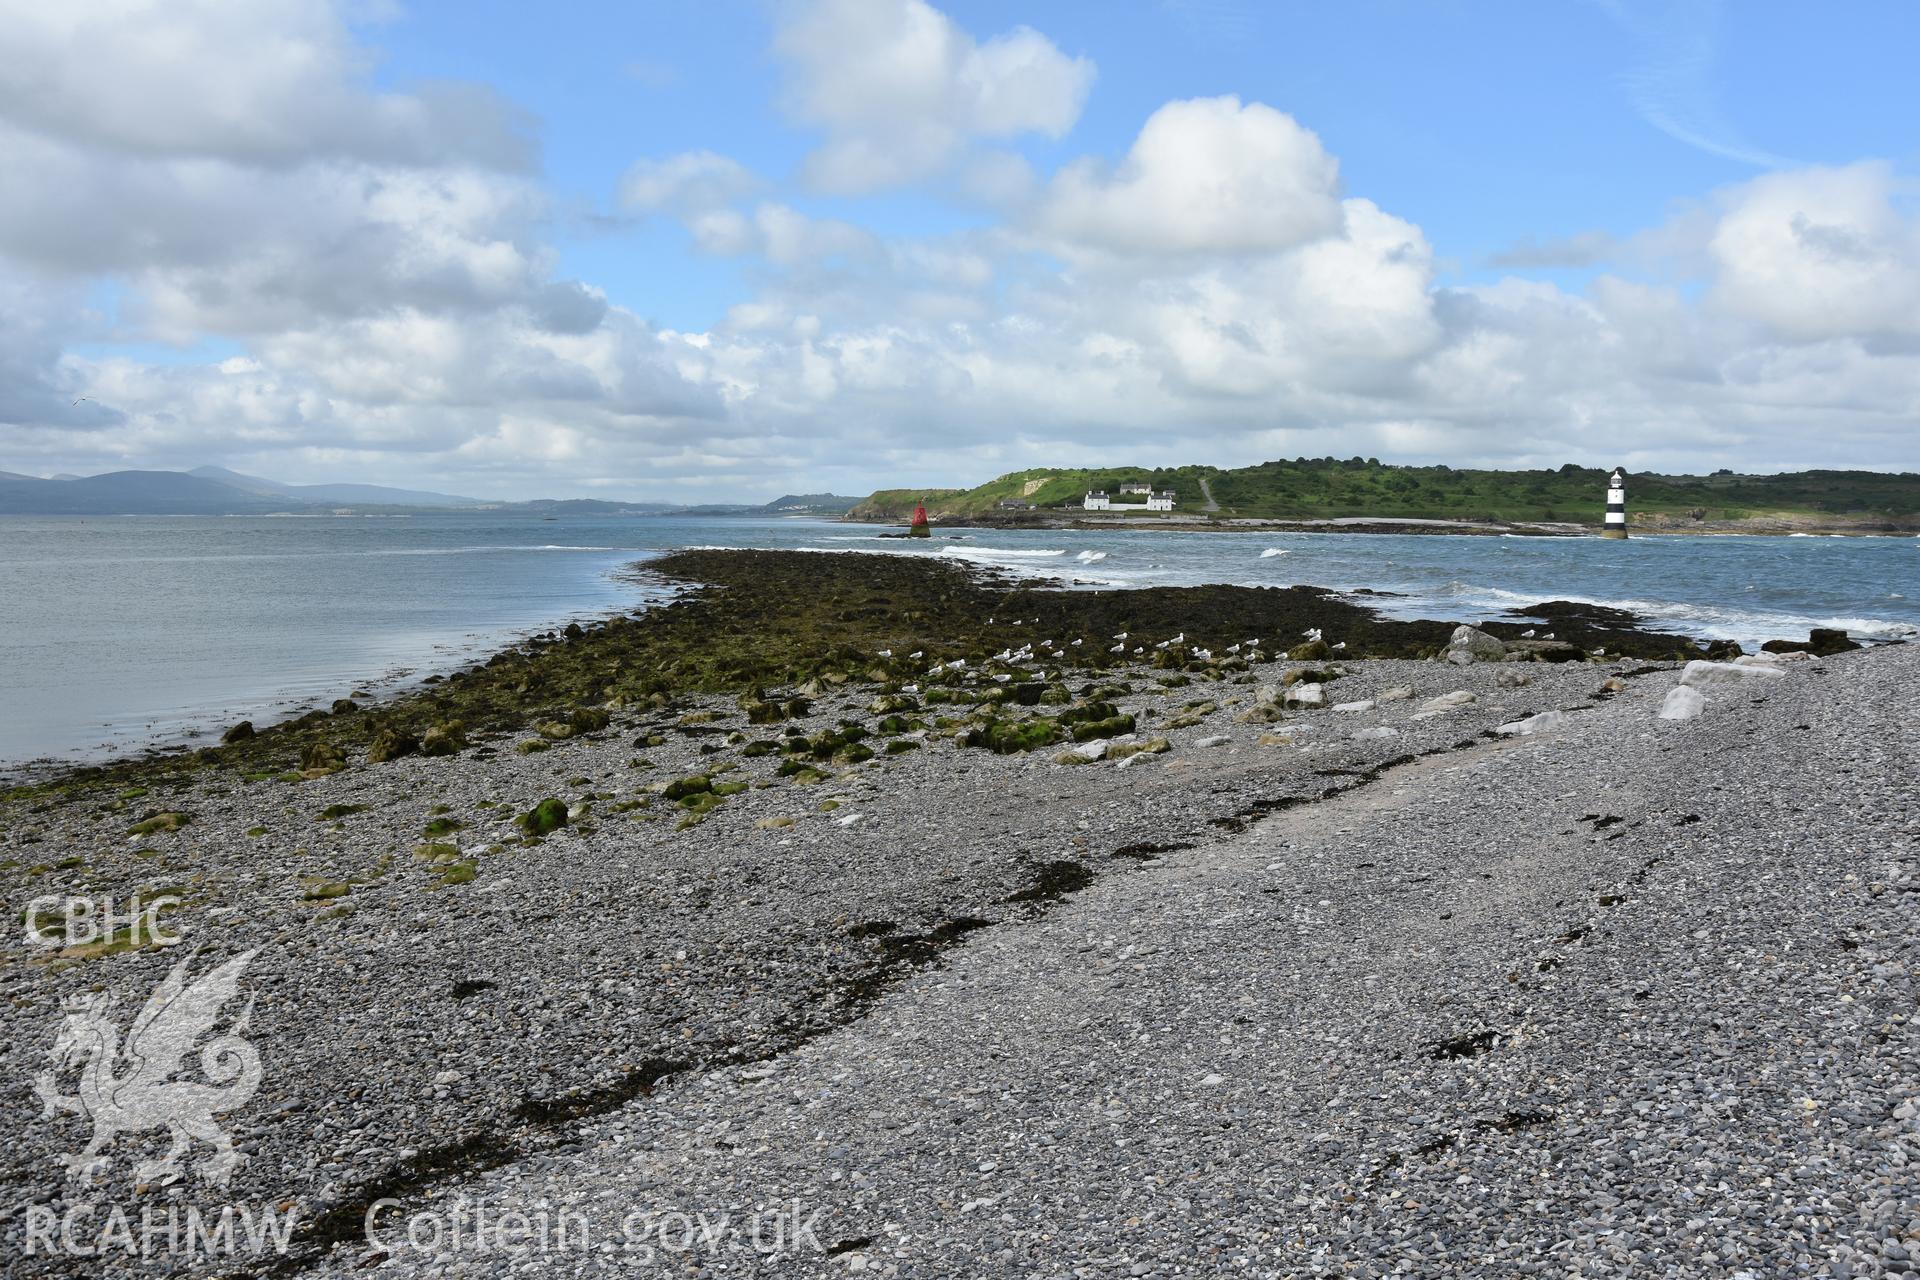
column 1616, row 526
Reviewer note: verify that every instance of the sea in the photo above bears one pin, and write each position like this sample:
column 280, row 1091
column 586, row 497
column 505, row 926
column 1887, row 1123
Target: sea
column 123, row 633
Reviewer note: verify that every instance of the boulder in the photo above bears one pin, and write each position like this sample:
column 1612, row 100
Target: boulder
column 1513, row 679
column 588, row 719
column 239, row 733
column 1216, row 740
column 1151, row 747
column 1377, row 731
column 1306, row 695
column 1470, row 644
column 1399, row 694
column 1449, row 701
column 321, row 756
column 1542, row 723
column 1365, row 704
column 1311, row 651
column 547, row 816
column 1700, row 674
column 1266, row 706
column 344, row 706
column 1683, row 702
column 390, row 744
column 1821, row 642
column 444, row 739
column 1085, row 753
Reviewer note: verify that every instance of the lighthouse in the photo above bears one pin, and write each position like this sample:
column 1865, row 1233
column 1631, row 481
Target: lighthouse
column 1616, row 526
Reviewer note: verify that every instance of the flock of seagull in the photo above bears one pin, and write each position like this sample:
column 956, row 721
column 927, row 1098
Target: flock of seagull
column 1053, row 649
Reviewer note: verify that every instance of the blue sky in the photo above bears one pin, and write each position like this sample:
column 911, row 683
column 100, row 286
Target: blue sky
column 756, row 247
column 1491, row 124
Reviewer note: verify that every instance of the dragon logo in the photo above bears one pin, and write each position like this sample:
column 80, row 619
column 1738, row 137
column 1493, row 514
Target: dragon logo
column 129, row 1087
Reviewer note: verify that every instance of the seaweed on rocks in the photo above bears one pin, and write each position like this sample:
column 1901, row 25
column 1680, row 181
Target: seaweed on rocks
column 747, row 622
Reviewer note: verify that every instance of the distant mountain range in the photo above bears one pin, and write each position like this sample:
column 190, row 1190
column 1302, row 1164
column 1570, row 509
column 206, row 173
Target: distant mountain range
column 216, row 491
column 336, row 494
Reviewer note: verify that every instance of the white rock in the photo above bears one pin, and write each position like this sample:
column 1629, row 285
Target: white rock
column 1469, row 643
column 1448, row 701
column 847, row 820
column 1400, row 694
column 1682, row 703
column 1305, row 695
column 1701, row 674
column 1095, row 750
column 1377, row 731
column 1542, row 723
column 1363, row 705
column 1217, row 740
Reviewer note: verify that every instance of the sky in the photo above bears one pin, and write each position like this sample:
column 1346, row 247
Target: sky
column 743, row 248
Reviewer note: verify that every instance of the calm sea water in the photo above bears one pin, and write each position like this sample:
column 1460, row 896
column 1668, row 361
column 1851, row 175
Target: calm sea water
column 122, row 632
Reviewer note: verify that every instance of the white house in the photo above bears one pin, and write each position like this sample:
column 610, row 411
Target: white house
column 1161, row 501
column 1136, row 487
column 1096, row 500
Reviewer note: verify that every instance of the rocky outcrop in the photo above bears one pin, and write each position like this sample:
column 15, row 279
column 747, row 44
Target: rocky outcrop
column 1470, row 644
column 1822, row 642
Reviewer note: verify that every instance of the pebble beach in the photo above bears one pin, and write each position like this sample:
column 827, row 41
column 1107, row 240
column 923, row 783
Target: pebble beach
column 1348, row 948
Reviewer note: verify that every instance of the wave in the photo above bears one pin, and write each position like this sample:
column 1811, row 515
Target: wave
column 1712, row 621
column 1000, row 551
column 463, row 551
column 1271, row 552
column 1089, row 557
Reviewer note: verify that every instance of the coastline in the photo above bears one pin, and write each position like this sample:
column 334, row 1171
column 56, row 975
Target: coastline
column 714, row 841
column 944, row 609
column 1641, row 525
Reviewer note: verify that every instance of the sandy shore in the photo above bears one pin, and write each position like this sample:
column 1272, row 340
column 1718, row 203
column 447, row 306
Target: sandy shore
column 1292, row 988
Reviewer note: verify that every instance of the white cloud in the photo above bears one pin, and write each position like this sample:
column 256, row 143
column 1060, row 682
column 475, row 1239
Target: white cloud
column 390, row 283
column 691, row 183
column 1819, row 253
column 1207, row 175
column 900, row 89
column 235, row 80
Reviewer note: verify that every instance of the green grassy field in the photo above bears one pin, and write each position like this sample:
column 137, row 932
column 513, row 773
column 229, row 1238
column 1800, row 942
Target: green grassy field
column 1318, row 488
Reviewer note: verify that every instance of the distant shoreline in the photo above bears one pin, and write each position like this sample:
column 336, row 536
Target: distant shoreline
column 1184, row 523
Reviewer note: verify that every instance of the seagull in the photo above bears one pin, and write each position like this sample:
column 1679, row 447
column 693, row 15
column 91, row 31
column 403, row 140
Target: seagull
column 81, row 398
column 886, row 653
column 1121, row 636
column 1119, row 648
column 1311, row 633
column 916, row 655
column 1076, row 643
column 1547, row 636
column 1233, row 648
column 1340, row 646
column 1527, row 634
